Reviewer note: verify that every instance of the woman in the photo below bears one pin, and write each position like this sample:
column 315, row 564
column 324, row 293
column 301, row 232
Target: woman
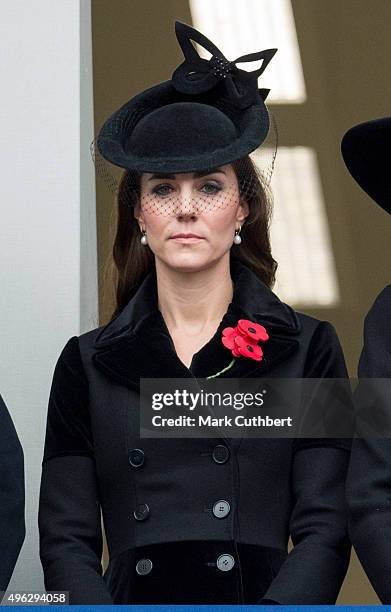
column 365, row 148
column 201, row 520
column 12, row 524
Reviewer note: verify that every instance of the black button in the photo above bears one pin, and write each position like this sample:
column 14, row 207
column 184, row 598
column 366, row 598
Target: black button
column 143, row 566
column 221, row 508
column 141, row 512
column 225, row 562
column 220, row 453
column 136, row 457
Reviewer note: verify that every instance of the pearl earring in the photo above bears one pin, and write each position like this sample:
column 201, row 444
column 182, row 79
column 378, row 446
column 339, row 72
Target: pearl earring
column 144, row 239
column 237, row 238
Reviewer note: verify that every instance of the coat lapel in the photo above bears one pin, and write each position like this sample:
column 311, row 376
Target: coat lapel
column 137, row 344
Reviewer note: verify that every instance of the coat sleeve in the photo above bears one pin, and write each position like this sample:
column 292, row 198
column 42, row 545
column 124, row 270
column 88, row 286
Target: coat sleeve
column 69, row 505
column 314, row 570
column 369, row 478
column 12, row 495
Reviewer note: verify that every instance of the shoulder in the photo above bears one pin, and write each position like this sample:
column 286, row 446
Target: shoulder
column 8, row 435
column 4, row 414
column 74, row 346
column 313, row 325
column 379, row 313
column 69, row 377
column 319, row 332
column 324, row 354
column 69, row 358
column 318, row 343
column 320, row 353
column 375, row 356
column 72, row 362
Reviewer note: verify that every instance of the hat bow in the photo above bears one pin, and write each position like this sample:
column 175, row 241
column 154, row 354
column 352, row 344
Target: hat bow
column 197, row 75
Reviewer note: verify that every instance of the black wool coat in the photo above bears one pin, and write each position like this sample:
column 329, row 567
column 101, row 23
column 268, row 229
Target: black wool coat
column 157, row 495
column 369, row 477
column 12, row 520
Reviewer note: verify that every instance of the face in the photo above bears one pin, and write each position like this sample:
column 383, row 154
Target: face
column 190, row 218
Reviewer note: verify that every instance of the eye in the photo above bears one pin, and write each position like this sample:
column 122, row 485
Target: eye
column 211, row 188
column 163, row 190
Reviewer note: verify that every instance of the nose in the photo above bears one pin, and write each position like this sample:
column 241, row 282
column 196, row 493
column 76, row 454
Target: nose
column 186, row 204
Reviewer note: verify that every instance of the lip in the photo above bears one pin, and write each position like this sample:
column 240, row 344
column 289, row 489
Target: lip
column 186, row 237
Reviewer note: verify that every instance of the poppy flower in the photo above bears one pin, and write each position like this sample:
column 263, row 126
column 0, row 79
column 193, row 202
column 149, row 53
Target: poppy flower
column 243, row 339
column 248, row 348
column 229, row 334
column 254, row 330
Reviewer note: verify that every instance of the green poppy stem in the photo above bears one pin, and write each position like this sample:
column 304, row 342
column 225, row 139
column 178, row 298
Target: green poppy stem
column 224, row 370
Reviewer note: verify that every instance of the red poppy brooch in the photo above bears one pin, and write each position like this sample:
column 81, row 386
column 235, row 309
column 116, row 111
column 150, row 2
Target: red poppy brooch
column 242, row 341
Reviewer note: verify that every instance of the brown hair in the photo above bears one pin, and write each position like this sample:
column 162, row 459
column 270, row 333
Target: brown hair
column 130, row 261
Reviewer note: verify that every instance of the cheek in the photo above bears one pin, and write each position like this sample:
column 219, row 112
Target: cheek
column 156, row 225
column 222, row 220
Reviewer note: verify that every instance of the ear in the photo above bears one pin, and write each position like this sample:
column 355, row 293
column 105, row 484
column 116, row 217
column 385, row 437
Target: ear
column 243, row 210
column 138, row 214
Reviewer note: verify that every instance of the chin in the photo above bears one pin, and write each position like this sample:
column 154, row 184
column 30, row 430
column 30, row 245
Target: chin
column 190, row 264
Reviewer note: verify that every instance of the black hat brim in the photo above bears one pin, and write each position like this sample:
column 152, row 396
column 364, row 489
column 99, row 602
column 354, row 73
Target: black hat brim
column 366, row 153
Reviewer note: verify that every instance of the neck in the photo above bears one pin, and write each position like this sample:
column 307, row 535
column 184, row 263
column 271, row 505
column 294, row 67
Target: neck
column 194, row 300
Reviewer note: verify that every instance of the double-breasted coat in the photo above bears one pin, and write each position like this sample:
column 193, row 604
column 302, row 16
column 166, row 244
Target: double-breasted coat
column 12, row 496
column 369, row 476
column 165, row 542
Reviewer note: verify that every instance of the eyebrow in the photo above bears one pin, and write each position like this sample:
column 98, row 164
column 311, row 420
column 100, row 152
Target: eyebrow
column 195, row 174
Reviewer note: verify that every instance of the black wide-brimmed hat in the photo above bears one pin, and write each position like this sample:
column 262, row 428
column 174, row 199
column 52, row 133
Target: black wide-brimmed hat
column 209, row 114
column 366, row 152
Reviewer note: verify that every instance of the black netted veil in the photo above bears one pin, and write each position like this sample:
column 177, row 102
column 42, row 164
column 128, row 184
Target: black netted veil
column 206, row 195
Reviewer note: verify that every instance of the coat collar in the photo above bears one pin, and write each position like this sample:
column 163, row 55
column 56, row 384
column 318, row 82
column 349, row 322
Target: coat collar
column 137, row 344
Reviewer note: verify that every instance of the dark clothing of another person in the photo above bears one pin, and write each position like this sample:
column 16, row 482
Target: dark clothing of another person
column 12, row 521
column 369, row 477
